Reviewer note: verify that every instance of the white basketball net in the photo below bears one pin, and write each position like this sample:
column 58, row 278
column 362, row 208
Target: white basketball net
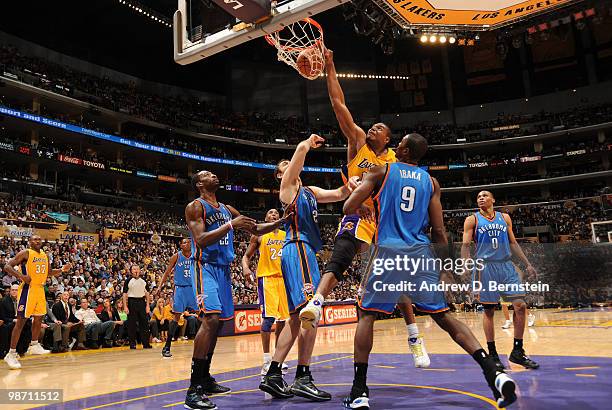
column 304, row 37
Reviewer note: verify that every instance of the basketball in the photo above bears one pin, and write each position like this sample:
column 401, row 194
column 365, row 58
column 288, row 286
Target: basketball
column 310, row 63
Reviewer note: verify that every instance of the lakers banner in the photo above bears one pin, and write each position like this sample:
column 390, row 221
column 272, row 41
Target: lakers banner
column 478, row 14
column 48, row 234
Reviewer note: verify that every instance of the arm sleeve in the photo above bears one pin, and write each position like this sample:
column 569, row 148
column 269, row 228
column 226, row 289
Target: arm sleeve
column 126, row 285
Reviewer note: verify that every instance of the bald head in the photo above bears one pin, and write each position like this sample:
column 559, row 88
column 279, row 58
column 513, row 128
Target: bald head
column 412, row 148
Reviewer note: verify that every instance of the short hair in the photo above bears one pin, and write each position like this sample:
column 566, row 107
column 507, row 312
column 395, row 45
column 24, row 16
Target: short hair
column 417, row 146
column 195, row 179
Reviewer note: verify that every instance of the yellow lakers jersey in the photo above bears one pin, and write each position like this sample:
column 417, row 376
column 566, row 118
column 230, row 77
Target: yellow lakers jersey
column 363, row 161
column 270, row 252
column 36, row 267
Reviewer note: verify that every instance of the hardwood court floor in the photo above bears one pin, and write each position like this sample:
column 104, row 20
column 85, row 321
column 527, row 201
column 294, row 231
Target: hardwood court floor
column 583, row 333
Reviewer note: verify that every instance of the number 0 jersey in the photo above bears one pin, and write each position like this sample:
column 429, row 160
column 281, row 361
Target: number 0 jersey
column 402, row 206
column 491, row 237
column 36, row 267
column 270, row 252
column 221, row 252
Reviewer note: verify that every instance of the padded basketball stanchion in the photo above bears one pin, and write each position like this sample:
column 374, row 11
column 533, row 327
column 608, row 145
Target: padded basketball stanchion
column 300, row 45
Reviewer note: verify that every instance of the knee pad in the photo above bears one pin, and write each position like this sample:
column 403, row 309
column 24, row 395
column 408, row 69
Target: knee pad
column 266, row 324
column 345, row 249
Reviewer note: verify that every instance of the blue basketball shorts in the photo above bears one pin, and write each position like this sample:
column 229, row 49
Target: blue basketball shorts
column 300, row 272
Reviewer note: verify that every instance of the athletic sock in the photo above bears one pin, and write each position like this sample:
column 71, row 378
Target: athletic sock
column 413, row 331
column 361, row 373
column 171, row 330
column 319, row 298
column 275, row 368
column 302, row 371
column 197, row 369
column 35, row 342
column 492, row 348
column 518, row 344
column 484, row 360
column 267, row 357
column 206, row 369
column 12, row 350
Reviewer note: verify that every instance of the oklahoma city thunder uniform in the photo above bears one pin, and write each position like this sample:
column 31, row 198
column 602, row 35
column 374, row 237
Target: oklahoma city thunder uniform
column 270, row 284
column 184, row 296
column 31, row 296
column 363, row 161
column 210, row 269
column 493, row 247
column 302, row 242
column 402, row 213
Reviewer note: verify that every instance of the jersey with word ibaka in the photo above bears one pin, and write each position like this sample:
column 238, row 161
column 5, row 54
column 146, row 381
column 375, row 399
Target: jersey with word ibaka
column 303, row 226
column 222, row 251
column 491, row 237
column 270, row 253
column 182, row 271
column 402, row 206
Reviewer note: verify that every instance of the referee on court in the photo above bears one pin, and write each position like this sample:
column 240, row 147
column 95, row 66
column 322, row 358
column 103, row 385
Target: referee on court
column 135, row 297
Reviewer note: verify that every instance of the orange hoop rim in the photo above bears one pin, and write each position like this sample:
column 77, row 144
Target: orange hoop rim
column 316, row 44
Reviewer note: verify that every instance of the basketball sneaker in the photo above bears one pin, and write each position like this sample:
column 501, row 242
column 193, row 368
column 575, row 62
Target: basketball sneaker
column 196, row 399
column 498, row 364
column 311, row 314
column 284, row 368
column 210, row 386
column 12, row 359
column 504, row 390
column 507, row 324
column 358, row 399
column 275, row 385
column 37, row 349
column 166, row 352
column 519, row 357
column 304, row 387
column 419, row 353
column 530, row 320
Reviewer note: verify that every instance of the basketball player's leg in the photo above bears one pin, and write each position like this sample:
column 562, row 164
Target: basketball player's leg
column 415, row 341
column 346, row 246
column 301, row 275
column 519, row 317
column 506, row 312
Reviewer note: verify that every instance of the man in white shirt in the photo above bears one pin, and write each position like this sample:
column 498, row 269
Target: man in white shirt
column 94, row 326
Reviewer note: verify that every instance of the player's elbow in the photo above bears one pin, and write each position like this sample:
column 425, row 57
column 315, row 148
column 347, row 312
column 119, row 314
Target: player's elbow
column 349, row 209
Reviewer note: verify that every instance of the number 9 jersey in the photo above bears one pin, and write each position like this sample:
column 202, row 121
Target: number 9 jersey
column 402, row 206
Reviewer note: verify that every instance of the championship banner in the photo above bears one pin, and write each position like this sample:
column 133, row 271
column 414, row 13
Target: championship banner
column 48, row 234
column 479, row 15
column 115, row 233
column 339, row 314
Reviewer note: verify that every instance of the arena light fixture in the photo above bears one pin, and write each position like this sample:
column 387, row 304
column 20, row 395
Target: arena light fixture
column 433, row 38
column 424, row 38
column 442, row 39
column 452, row 39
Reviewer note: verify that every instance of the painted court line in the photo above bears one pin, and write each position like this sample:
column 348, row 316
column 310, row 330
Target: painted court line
column 581, row 368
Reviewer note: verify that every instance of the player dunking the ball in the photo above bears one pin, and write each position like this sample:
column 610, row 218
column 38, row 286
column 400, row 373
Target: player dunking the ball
column 270, row 284
column 31, row 301
column 184, row 295
column 495, row 245
column 300, row 271
column 211, row 225
column 364, row 152
column 407, row 201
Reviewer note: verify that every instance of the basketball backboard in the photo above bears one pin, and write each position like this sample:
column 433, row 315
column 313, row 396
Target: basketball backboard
column 187, row 50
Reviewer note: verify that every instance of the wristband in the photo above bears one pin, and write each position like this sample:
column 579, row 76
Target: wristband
column 231, row 226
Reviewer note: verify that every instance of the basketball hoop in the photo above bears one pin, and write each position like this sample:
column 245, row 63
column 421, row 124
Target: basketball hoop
column 300, row 45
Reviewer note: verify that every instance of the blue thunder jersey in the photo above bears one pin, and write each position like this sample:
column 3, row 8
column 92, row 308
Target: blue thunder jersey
column 402, row 206
column 491, row 237
column 221, row 252
column 182, row 273
column 303, row 227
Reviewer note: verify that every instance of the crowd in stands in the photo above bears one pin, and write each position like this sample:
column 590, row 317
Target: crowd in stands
column 197, row 115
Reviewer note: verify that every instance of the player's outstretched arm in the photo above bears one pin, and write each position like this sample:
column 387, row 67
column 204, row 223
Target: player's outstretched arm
column 169, row 269
column 515, row 248
column 290, row 181
column 194, row 213
column 21, row 257
column 254, row 228
column 468, row 235
column 64, row 269
column 354, row 134
column 372, row 182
